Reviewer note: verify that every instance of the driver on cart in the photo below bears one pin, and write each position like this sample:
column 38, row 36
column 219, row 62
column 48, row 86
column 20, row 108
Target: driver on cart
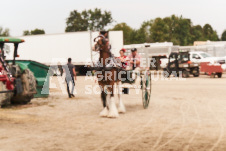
column 134, row 63
column 134, row 60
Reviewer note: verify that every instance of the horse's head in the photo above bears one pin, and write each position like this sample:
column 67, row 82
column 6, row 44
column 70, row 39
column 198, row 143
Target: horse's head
column 101, row 44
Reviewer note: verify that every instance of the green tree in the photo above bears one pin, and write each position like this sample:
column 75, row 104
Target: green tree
column 182, row 31
column 37, row 31
column 76, row 22
column 127, row 32
column 88, row 20
column 98, row 20
column 209, row 33
column 34, row 32
column 26, row 32
column 223, row 36
column 197, row 33
column 179, row 30
column 137, row 37
column 144, row 33
column 4, row 33
column 174, row 29
column 159, row 31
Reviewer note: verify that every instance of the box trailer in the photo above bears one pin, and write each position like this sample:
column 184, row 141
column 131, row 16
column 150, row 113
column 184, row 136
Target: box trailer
column 55, row 49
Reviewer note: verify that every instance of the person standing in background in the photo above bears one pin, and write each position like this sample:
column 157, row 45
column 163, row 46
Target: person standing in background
column 69, row 70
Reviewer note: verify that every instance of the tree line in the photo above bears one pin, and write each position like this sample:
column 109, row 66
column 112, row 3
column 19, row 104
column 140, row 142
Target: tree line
column 176, row 29
column 34, row 32
column 5, row 32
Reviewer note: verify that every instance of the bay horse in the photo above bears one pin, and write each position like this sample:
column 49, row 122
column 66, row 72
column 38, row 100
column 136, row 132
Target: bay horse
column 107, row 79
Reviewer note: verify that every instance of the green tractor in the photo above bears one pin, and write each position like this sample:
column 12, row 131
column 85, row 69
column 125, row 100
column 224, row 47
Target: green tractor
column 17, row 83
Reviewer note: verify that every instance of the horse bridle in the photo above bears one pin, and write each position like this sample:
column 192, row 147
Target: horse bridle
column 103, row 43
column 103, row 39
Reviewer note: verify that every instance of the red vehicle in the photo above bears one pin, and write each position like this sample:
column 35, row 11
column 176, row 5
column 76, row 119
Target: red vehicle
column 211, row 69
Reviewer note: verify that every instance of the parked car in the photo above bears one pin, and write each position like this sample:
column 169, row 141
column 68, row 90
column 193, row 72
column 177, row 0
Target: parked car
column 200, row 56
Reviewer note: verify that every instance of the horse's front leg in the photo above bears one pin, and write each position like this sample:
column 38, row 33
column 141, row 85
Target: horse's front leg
column 104, row 112
column 121, row 107
column 113, row 112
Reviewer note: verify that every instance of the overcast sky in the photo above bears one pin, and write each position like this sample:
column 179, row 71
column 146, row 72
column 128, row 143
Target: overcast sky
column 50, row 15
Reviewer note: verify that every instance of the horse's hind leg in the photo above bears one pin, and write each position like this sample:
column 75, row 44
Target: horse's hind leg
column 121, row 107
column 113, row 112
column 104, row 112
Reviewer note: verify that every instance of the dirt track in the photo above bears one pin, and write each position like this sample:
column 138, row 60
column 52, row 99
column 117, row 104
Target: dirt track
column 183, row 115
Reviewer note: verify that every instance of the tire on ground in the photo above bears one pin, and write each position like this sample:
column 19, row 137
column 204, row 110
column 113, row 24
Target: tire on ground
column 196, row 74
column 29, row 88
column 4, row 97
column 166, row 73
column 185, row 74
column 219, row 75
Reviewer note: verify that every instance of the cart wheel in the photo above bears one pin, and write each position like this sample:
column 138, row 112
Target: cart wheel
column 196, row 72
column 166, row 74
column 185, row 74
column 146, row 89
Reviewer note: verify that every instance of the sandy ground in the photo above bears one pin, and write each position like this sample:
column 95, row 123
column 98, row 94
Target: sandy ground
column 182, row 115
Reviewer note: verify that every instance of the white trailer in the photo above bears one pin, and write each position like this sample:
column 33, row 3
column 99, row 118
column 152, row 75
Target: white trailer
column 156, row 51
column 215, row 48
column 50, row 49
